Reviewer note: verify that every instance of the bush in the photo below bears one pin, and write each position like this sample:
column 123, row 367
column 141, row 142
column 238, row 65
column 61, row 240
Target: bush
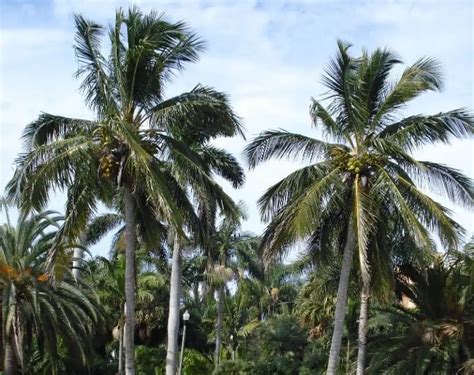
column 149, row 360
column 195, row 363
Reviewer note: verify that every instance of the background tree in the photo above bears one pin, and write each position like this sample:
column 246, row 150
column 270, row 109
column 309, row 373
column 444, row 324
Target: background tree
column 39, row 312
column 232, row 250
column 431, row 329
column 208, row 198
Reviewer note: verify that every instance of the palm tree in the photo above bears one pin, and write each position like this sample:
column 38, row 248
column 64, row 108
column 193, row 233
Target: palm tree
column 209, row 198
column 107, row 277
column 125, row 151
column 37, row 310
column 232, row 252
column 434, row 333
column 367, row 170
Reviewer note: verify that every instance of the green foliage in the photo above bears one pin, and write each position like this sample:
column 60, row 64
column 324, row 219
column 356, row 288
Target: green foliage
column 196, row 363
column 436, row 333
column 47, row 317
column 237, row 367
column 150, row 360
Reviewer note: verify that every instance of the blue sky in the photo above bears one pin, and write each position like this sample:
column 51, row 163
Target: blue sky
column 267, row 55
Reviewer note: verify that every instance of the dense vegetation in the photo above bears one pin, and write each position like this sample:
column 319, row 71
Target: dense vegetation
column 368, row 293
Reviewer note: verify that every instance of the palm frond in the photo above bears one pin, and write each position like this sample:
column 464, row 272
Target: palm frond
column 49, row 128
column 364, row 222
column 100, row 225
column 442, row 179
column 223, row 164
column 197, row 116
column 280, row 144
column 415, row 131
column 48, row 166
column 386, row 186
column 424, row 75
column 97, row 85
column 279, row 195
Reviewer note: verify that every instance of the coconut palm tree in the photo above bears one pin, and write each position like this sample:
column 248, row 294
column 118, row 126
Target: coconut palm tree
column 124, row 153
column 367, row 169
column 37, row 310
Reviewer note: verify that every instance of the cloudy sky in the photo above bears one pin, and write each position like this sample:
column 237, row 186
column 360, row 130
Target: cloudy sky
column 267, row 55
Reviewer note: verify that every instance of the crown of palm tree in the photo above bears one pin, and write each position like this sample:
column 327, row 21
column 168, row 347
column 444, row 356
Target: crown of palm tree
column 369, row 171
column 152, row 143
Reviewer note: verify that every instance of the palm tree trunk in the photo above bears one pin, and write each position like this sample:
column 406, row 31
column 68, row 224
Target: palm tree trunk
column 220, row 319
column 130, row 243
column 77, row 257
column 9, row 366
column 120, row 352
column 122, row 339
column 2, row 349
column 206, row 288
column 173, row 315
column 341, row 300
column 348, row 354
column 363, row 318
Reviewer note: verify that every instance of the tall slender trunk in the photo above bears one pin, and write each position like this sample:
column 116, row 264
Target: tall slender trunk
column 219, row 321
column 206, row 288
column 130, row 243
column 348, row 354
column 2, row 349
column 341, row 300
column 196, row 292
column 122, row 339
column 120, row 352
column 173, row 316
column 77, row 257
column 9, row 365
column 363, row 319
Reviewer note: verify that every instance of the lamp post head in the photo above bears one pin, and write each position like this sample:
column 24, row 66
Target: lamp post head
column 186, row 316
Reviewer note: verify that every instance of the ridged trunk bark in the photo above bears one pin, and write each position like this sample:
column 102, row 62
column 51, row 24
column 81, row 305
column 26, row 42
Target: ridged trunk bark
column 363, row 319
column 341, row 301
column 130, row 244
column 9, row 364
column 219, row 321
column 173, row 315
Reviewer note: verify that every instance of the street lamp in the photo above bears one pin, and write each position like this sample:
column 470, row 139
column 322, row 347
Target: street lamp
column 186, row 317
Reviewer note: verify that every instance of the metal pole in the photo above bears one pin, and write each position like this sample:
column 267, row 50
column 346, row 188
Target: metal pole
column 180, row 368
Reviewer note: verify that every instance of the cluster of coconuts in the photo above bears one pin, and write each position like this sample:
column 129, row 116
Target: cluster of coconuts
column 353, row 163
column 108, row 161
column 356, row 164
column 108, row 164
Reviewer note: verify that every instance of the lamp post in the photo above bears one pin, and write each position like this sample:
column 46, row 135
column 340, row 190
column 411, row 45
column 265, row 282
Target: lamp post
column 186, row 317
